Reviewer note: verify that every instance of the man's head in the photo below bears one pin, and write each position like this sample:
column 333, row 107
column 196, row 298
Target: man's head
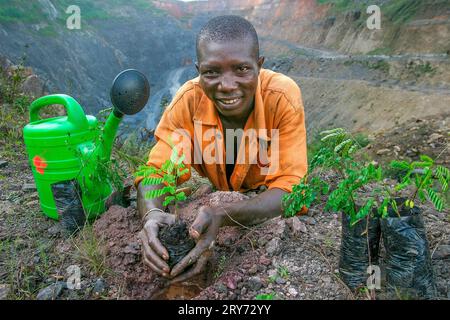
column 228, row 63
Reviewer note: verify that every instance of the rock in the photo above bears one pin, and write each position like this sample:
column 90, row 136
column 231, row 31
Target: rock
column 280, row 280
column 36, row 259
column 273, row 247
column 56, row 229
column 281, row 229
column 231, row 283
column 253, row 269
column 442, row 252
column 307, row 220
column 297, row 226
column 262, row 241
column 292, row 292
column 264, row 260
column 51, row 292
column 254, row 283
column 99, row 287
column 434, row 137
column 4, row 291
column 3, row 163
column 272, row 272
column 383, row 151
column 29, row 187
column 397, row 148
column 221, row 288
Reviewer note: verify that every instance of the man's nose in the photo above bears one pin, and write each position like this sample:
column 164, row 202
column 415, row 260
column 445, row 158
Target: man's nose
column 227, row 83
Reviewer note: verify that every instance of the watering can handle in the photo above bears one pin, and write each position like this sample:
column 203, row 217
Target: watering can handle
column 75, row 113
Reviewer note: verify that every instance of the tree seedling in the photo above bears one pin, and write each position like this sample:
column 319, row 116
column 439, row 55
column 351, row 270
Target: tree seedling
column 168, row 174
column 175, row 238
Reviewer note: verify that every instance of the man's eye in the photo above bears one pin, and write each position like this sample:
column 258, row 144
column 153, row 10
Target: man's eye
column 243, row 68
column 209, row 73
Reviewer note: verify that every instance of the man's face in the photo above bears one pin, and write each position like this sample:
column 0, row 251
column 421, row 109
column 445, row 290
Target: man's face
column 229, row 75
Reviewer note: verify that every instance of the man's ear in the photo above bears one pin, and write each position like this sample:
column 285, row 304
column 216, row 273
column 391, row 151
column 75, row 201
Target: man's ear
column 260, row 62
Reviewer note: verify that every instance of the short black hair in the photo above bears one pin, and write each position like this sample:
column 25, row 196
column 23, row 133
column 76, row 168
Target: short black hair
column 228, row 28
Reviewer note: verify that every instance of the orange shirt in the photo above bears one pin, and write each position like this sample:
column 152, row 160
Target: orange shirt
column 276, row 158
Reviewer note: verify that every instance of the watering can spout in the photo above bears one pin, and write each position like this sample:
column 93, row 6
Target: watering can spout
column 129, row 94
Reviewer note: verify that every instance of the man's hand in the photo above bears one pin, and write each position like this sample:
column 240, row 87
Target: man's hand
column 153, row 252
column 204, row 230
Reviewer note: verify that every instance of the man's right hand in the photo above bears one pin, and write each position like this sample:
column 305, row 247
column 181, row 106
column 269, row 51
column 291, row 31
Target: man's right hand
column 153, row 252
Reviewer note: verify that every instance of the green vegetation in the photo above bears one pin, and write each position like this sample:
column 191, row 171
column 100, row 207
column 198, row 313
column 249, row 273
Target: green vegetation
column 169, row 174
column 283, row 272
column 32, row 11
column 13, row 109
column 337, row 153
column 263, row 296
column 421, row 69
column 20, row 11
column 381, row 65
column 341, row 5
column 89, row 250
column 401, row 11
column 430, row 181
column 220, row 266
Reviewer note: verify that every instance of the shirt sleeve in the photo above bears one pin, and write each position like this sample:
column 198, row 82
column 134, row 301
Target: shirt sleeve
column 292, row 153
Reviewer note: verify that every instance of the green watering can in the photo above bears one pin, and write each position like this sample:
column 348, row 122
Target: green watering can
column 69, row 155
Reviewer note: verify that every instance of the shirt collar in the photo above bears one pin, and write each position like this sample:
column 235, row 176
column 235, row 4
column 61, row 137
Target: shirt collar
column 207, row 114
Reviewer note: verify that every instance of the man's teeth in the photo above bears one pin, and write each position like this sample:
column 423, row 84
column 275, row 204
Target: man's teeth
column 229, row 101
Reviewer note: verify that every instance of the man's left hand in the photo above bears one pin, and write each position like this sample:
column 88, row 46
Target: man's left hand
column 204, row 230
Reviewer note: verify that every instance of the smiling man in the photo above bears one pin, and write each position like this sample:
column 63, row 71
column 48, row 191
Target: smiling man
column 241, row 126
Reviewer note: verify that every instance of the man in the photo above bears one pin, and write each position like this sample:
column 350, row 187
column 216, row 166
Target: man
column 232, row 93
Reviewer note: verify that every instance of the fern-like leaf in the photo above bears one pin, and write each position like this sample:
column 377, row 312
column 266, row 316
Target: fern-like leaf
column 154, row 193
column 341, row 145
column 435, row 199
column 443, row 175
column 152, row 181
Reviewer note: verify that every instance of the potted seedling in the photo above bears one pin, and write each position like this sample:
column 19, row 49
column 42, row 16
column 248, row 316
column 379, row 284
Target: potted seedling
column 175, row 238
column 360, row 225
column 408, row 263
column 369, row 212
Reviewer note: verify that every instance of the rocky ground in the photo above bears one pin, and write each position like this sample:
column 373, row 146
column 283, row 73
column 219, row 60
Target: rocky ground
column 295, row 258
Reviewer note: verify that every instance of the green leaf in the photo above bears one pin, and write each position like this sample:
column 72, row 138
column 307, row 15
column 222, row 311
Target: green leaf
column 394, row 206
column 352, row 149
column 403, row 165
column 421, row 195
column 336, row 130
column 364, row 211
column 180, row 196
column 152, row 181
column 435, row 199
column 183, row 172
column 426, row 159
column 383, row 208
column 154, row 193
column 341, row 145
column 443, row 175
column 170, row 189
column 168, row 200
